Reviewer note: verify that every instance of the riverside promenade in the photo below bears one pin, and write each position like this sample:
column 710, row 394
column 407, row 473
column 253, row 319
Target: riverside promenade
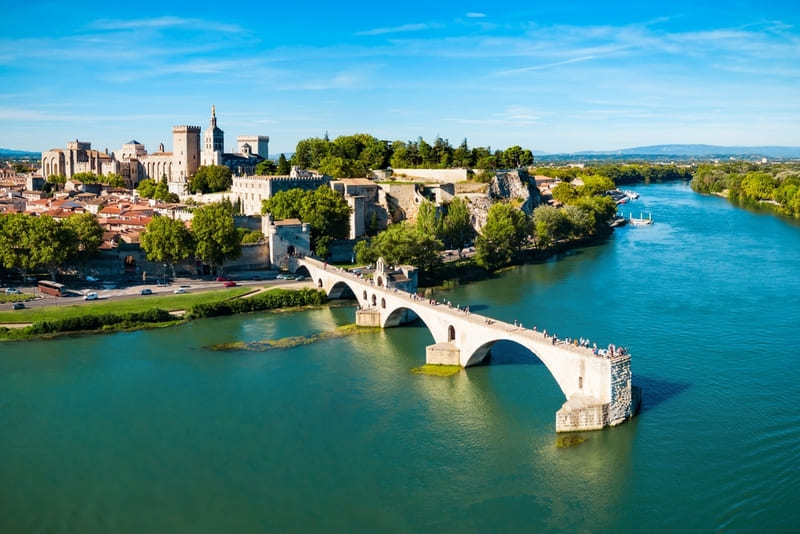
column 597, row 384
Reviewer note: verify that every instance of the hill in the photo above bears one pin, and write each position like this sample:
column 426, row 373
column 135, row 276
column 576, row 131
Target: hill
column 700, row 151
column 9, row 153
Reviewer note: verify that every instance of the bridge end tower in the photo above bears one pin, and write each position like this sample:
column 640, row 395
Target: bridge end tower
column 582, row 412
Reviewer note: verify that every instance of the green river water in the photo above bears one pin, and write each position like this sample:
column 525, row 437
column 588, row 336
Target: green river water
column 151, row 431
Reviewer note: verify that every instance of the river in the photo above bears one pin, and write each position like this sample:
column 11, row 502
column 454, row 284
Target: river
column 152, row 431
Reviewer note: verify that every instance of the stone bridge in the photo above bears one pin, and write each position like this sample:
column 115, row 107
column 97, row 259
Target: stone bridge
column 597, row 388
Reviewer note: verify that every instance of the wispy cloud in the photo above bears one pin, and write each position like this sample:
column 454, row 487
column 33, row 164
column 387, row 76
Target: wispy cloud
column 166, row 22
column 404, row 28
column 475, row 15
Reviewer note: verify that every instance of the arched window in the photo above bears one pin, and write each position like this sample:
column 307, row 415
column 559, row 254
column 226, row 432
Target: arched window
column 451, row 333
column 580, row 382
column 365, row 295
column 383, row 303
column 319, row 282
column 374, row 300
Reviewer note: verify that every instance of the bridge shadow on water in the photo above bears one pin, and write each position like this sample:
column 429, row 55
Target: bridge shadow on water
column 510, row 353
column 657, row 390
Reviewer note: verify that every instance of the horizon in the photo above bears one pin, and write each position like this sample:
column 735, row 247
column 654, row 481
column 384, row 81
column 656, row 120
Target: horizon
column 557, row 79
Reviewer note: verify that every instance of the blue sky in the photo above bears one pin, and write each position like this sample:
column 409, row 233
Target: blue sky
column 555, row 76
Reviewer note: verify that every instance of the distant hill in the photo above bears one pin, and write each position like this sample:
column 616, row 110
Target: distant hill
column 9, row 153
column 700, row 151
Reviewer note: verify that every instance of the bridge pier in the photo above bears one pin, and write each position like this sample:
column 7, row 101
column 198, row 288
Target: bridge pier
column 368, row 317
column 442, row 354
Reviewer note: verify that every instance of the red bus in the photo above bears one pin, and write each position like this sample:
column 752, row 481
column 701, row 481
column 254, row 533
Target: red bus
column 51, row 288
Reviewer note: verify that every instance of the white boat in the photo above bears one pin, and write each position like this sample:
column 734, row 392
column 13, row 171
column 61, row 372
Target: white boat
column 641, row 221
column 633, row 195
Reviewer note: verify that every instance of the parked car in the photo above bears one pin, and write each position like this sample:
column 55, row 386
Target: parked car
column 229, row 283
column 146, row 291
column 91, row 296
column 18, row 306
column 12, row 291
column 179, row 291
column 300, row 278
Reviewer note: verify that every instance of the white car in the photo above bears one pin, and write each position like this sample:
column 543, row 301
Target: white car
column 91, row 296
column 179, row 291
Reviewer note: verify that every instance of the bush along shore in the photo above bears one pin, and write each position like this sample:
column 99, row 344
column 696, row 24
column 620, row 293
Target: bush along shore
column 109, row 322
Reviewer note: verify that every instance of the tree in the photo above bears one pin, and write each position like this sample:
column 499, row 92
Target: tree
column 267, row 168
column 595, row 185
column 429, row 220
column 211, row 179
column 146, row 188
column 564, row 192
column 215, row 234
column 55, row 242
column 88, row 237
column 550, row 224
column 457, row 227
column 16, row 242
column 503, row 234
column 402, row 244
column 462, row 157
column 283, row 166
column 325, row 211
column 167, row 241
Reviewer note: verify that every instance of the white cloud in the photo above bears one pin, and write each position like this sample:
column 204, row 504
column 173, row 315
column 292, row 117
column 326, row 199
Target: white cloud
column 475, row 15
column 400, row 29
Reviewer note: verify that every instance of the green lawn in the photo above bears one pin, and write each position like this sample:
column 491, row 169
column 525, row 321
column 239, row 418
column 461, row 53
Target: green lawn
column 35, row 312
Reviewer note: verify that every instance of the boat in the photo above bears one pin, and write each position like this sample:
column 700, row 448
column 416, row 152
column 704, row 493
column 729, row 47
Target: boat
column 633, row 195
column 641, row 221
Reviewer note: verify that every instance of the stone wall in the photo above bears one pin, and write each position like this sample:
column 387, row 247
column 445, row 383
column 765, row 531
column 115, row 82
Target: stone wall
column 432, row 175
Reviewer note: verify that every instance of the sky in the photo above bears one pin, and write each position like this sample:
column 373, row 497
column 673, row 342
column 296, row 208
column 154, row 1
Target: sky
column 548, row 76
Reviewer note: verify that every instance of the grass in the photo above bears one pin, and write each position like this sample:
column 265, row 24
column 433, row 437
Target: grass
column 436, row 370
column 565, row 441
column 36, row 312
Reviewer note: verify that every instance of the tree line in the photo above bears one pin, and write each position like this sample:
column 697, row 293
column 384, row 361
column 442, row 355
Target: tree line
column 749, row 183
column 43, row 242
column 354, row 155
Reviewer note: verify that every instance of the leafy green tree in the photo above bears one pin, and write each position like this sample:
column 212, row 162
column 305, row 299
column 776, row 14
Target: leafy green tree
column 211, row 179
column 267, row 168
column 457, row 228
column 86, row 177
column 215, row 234
column 595, row 185
column 325, row 211
column 55, row 242
column 168, row 241
column 283, row 166
column 429, row 220
column 88, row 236
column 146, row 188
column 462, row 157
column 550, row 225
column 57, row 179
column 503, row 234
column 758, row 186
column 565, row 192
column 516, row 156
column 284, row 204
column 114, row 180
column 328, row 215
column 16, row 242
column 402, row 244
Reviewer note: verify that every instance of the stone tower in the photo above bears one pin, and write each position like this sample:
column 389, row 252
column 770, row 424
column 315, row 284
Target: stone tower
column 213, row 142
column 185, row 157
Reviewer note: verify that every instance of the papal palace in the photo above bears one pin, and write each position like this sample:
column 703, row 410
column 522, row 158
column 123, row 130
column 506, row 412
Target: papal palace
column 134, row 164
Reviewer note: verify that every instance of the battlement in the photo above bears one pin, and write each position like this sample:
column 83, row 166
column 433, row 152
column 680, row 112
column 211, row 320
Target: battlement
column 185, row 129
